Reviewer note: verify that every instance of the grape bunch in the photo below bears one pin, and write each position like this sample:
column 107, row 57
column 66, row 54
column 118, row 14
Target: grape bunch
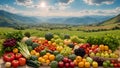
column 9, row 42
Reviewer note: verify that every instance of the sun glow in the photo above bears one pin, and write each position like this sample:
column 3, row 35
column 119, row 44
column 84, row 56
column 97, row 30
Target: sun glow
column 42, row 4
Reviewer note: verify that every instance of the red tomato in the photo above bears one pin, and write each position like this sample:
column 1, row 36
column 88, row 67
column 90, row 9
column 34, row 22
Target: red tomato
column 118, row 64
column 8, row 57
column 15, row 63
column 112, row 61
column 18, row 55
column 22, row 61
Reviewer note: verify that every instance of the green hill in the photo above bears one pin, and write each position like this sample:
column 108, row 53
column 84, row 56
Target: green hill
column 113, row 21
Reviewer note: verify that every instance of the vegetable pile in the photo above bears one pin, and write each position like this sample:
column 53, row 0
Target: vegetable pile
column 57, row 52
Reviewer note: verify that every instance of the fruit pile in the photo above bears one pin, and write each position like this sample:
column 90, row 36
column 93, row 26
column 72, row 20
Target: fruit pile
column 55, row 52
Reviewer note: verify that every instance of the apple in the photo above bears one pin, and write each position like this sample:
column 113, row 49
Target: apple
column 106, row 55
column 105, row 65
column 102, row 55
column 72, row 65
column 67, row 65
column 95, row 64
column 92, row 54
column 98, row 54
column 61, row 64
column 65, row 59
column 69, row 60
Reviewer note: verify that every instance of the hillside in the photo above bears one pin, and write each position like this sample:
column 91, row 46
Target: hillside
column 10, row 19
column 113, row 21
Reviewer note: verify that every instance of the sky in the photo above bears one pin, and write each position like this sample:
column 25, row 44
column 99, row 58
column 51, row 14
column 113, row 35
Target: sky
column 61, row 7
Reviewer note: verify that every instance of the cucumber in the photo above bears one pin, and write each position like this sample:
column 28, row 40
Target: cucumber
column 32, row 63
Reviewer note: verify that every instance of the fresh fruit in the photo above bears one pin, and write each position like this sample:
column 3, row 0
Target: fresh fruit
column 67, row 65
column 71, row 45
column 8, row 64
column 72, row 57
column 92, row 54
column 48, row 36
column 8, row 57
column 37, row 54
column 18, row 55
column 101, row 47
column 47, row 62
column 56, row 52
column 15, row 63
column 59, row 48
column 34, row 45
column 15, row 50
column 45, row 57
column 61, row 64
column 51, row 57
column 22, row 61
column 59, row 57
column 106, row 48
column 54, row 64
column 111, row 65
column 105, row 64
column 98, row 54
column 90, row 60
column 80, row 52
column 108, row 62
column 72, row 65
column 83, row 60
column 95, row 64
column 81, row 64
column 78, row 58
column 33, row 52
column 87, row 64
column 65, row 59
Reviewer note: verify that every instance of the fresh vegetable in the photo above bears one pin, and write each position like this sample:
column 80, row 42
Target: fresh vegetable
column 33, row 57
column 43, row 52
column 80, row 52
column 22, row 61
column 48, row 36
column 29, row 42
column 8, row 64
column 59, row 57
column 15, row 63
column 54, row 64
column 34, row 45
column 61, row 64
column 18, row 55
column 32, row 63
column 8, row 57
column 24, row 50
column 9, row 43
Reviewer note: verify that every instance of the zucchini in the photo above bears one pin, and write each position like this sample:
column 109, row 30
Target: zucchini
column 32, row 63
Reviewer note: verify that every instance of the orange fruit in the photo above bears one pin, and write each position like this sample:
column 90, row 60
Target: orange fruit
column 87, row 64
column 43, row 60
column 40, row 59
column 81, row 64
column 84, row 60
column 78, row 58
column 106, row 48
column 45, row 57
column 75, row 62
column 48, row 54
column 48, row 61
column 51, row 57
column 15, row 50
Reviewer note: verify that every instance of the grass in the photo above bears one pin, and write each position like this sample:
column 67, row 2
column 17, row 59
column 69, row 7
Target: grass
column 35, row 32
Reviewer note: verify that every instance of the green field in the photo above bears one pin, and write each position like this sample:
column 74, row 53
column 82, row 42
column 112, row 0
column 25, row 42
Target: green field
column 35, row 32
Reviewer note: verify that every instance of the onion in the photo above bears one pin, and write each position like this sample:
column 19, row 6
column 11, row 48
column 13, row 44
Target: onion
column 7, row 65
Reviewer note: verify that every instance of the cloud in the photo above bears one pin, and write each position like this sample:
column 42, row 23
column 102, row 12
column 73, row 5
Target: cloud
column 6, row 7
column 98, row 2
column 65, row 2
column 24, row 2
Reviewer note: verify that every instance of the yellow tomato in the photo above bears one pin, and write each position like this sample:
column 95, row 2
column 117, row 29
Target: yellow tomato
column 15, row 50
column 51, row 57
column 48, row 62
column 45, row 57
column 43, row 60
column 81, row 64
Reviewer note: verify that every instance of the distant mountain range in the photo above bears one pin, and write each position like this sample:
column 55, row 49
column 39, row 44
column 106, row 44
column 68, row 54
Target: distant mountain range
column 10, row 19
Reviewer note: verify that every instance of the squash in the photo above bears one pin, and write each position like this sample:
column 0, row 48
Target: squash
column 48, row 36
column 54, row 64
column 72, row 57
column 59, row 57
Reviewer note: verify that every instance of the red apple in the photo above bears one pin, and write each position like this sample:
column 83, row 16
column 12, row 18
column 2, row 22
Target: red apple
column 61, row 64
column 72, row 65
column 65, row 59
column 67, row 65
column 69, row 60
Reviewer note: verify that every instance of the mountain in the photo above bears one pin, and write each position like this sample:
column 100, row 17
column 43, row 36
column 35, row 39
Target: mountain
column 114, row 20
column 10, row 19
column 77, row 20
